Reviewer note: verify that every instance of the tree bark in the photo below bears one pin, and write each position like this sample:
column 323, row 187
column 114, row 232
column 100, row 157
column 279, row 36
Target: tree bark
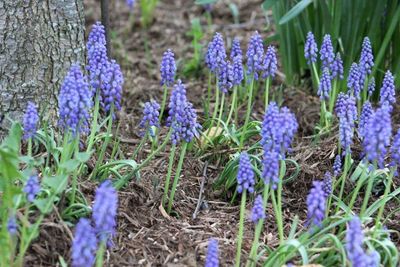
column 39, row 40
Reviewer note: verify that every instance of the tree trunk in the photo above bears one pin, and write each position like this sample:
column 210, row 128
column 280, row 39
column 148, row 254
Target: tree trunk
column 39, row 40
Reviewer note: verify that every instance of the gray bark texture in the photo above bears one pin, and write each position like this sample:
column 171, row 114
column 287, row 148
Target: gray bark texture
column 39, row 40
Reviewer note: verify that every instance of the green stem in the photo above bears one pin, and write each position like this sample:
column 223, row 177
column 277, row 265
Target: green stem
column 357, row 189
column 93, row 128
column 241, row 229
column 316, row 76
column 139, row 147
column 278, row 215
column 248, row 112
column 100, row 255
column 177, row 174
column 385, row 194
column 267, row 84
column 75, row 174
column 332, row 98
column 164, row 101
column 221, row 111
column 342, row 180
column 368, row 192
column 233, row 104
column 168, row 179
column 154, row 153
column 30, row 147
column 207, row 104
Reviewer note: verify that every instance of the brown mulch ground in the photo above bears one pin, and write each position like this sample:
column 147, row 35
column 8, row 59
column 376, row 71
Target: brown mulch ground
column 146, row 235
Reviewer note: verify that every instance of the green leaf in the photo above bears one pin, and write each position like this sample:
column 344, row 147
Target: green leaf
column 13, row 140
column 42, row 204
column 56, row 183
column 268, row 4
column 297, row 9
column 70, row 165
column 205, row 2
column 83, row 156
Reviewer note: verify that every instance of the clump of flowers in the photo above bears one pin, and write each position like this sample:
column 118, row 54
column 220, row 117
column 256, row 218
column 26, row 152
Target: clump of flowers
column 310, row 49
column 270, row 172
column 365, row 115
column 395, row 150
column 130, row 4
column 387, row 96
column 327, row 184
column 245, row 176
column 12, row 226
column 258, row 212
column 371, row 86
column 366, row 59
column 337, row 67
column 238, row 72
column 216, row 53
column 30, row 120
column 347, row 112
column 255, row 55
column 212, row 254
column 225, row 76
column 84, row 245
column 236, row 51
column 32, row 188
column 316, row 204
column 326, row 52
column 151, row 113
column 325, row 85
column 111, row 88
column 270, row 63
column 337, row 165
column 168, row 68
column 354, row 80
column 75, row 101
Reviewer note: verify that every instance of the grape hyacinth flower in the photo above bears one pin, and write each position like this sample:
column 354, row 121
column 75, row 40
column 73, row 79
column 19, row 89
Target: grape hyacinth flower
column 212, row 254
column 168, row 68
column 326, row 52
column 215, row 53
column 130, row 4
column 238, row 72
column 189, row 127
column 310, row 49
column 354, row 246
column 388, row 90
column 12, row 226
column 327, row 184
column 395, row 150
column 30, row 120
column 245, row 175
column 258, row 212
column 270, row 63
column 337, row 166
column 371, row 86
column 225, row 76
column 75, row 101
column 354, row 80
column 105, row 211
column 366, row 60
column 270, row 172
column 84, row 245
column 316, row 204
column 365, row 115
column 177, row 101
column 111, row 88
column 32, row 188
column 346, row 110
column 255, row 54
column 377, row 134
column 151, row 113
column 325, row 85
column 337, row 67
column 97, row 55
column 236, row 51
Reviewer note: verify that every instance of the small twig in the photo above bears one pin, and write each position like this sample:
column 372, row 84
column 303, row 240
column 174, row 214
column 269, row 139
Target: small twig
column 200, row 199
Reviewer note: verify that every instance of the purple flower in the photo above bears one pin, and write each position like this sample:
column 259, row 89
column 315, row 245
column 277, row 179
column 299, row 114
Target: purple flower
column 366, row 59
column 97, row 55
column 325, row 85
column 236, row 51
column 258, row 212
column 215, row 53
column 245, row 175
column 12, row 226
column 326, row 52
column 151, row 113
column 105, row 211
column 354, row 80
column 212, row 254
column 327, row 184
column 337, row 67
column 189, row 127
column 32, row 188
column 316, row 204
column 270, row 172
column 346, row 110
column 30, row 120
column 238, row 73
column 111, row 88
column 176, row 102
column 310, row 49
column 84, row 245
column 366, row 113
column 270, row 63
column 225, row 76
column 337, row 166
column 388, row 90
column 130, row 3
column 255, row 54
column 377, row 134
column 75, row 101
column 354, row 246
column 395, row 149
column 168, row 68
column 278, row 129
column 371, row 86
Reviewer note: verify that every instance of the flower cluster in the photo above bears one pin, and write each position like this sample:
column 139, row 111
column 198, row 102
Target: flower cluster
column 238, row 72
column 32, row 188
column 84, row 245
column 216, row 53
column 316, row 204
column 365, row 115
column 151, row 113
column 225, row 76
column 387, row 96
column 354, row 80
column 366, row 59
column 354, row 246
column 310, row 49
column 236, row 51
column 75, row 101
column 12, row 226
column 326, row 52
column 337, row 166
column 270, row 172
column 337, row 67
column 255, row 54
column 212, row 254
column 111, row 88
column 105, row 211
column 245, row 175
column 327, row 184
column 30, row 120
column 395, row 149
column 258, row 212
column 270, row 63
column 130, row 3
column 325, row 85
column 346, row 110
column 371, row 86
column 168, row 68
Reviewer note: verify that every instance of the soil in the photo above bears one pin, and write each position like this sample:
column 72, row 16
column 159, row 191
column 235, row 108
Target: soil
column 147, row 236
